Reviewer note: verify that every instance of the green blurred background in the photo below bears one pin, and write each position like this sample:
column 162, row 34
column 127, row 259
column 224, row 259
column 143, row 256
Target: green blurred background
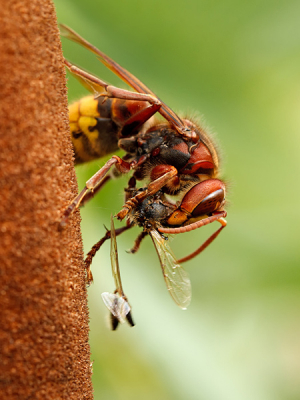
column 237, row 64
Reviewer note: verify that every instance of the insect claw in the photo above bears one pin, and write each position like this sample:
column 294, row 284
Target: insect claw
column 62, row 224
column 89, row 276
column 131, row 251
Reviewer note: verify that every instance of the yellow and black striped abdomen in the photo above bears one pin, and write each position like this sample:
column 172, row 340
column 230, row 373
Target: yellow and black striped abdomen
column 96, row 125
column 93, row 132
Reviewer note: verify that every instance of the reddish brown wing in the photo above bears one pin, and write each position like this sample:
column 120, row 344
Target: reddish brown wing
column 125, row 75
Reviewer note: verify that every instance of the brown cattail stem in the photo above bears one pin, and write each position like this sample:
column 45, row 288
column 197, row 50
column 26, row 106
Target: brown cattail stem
column 44, row 350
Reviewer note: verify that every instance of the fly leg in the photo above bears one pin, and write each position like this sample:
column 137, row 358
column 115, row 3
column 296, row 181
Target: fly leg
column 137, row 242
column 91, row 254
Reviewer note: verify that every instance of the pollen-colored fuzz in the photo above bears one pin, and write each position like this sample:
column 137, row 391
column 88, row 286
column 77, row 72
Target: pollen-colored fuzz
column 44, row 317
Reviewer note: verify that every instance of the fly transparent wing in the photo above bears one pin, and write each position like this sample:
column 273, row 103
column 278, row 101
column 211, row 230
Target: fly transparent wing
column 176, row 278
column 116, row 302
column 118, row 306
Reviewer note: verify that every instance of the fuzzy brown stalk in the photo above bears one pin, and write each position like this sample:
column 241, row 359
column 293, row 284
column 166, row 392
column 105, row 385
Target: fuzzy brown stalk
column 44, row 350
